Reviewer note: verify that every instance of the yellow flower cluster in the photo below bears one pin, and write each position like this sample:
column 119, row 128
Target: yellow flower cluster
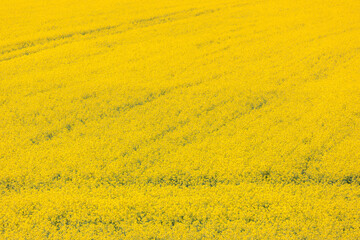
column 190, row 119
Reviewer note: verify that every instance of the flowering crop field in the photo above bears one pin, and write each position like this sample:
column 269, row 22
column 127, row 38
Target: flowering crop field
column 189, row 119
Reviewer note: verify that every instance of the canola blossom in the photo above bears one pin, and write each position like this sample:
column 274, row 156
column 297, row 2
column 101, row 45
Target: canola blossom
column 201, row 119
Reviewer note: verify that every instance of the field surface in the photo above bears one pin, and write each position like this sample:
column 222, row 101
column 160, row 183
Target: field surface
column 189, row 119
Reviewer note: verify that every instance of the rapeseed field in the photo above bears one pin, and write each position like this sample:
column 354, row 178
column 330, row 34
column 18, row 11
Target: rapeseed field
column 188, row 119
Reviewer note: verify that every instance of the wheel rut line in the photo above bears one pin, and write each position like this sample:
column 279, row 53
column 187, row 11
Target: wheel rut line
column 46, row 136
column 87, row 33
column 170, row 129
